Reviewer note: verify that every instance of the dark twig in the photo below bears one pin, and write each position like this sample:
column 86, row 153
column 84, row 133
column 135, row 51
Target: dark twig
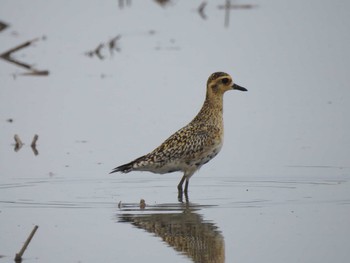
column 7, row 55
column 113, row 44
column 36, row 73
column 18, row 257
column 163, row 2
column 96, row 51
column 201, row 10
column 33, row 145
column 227, row 6
column 3, row 26
column 18, row 144
column 121, row 3
column 35, row 138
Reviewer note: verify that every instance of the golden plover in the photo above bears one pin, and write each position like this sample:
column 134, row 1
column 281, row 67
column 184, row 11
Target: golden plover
column 196, row 143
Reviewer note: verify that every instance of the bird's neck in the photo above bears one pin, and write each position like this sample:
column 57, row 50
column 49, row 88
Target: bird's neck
column 211, row 111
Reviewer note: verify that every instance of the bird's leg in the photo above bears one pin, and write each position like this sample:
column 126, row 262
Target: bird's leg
column 179, row 188
column 180, row 193
column 186, row 197
column 179, row 196
column 186, row 185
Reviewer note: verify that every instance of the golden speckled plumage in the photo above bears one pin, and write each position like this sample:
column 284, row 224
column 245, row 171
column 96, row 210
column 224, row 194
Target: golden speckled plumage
column 196, row 143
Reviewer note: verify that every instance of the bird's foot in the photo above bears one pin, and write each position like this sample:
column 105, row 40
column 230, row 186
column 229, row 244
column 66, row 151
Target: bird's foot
column 181, row 194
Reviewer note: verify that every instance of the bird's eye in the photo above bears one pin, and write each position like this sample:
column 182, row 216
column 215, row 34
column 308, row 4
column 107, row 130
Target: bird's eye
column 225, row 81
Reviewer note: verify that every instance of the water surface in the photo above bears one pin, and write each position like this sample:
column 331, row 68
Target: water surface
column 107, row 83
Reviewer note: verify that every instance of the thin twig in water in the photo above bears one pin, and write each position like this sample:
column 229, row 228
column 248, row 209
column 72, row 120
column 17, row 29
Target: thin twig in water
column 201, row 10
column 121, row 3
column 18, row 257
column 36, row 73
column 33, row 145
column 227, row 6
column 96, row 51
column 113, row 44
column 3, row 25
column 35, row 138
column 8, row 57
column 18, row 144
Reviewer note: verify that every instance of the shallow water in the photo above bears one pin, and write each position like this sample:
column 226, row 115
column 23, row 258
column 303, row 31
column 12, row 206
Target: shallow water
column 229, row 219
column 277, row 192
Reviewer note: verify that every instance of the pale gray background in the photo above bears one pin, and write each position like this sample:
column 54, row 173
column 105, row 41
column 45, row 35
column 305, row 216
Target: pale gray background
column 287, row 139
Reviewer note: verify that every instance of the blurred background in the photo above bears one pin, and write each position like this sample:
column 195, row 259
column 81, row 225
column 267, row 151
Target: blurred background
column 103, row 82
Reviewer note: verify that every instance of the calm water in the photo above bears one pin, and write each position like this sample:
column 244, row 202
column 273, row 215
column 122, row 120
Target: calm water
column 278, row 191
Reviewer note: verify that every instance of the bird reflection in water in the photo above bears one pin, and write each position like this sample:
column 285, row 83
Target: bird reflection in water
column 179, row 226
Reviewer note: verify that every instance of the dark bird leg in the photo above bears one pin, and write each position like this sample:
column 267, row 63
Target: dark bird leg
column 179, row 196
column 186, row 185
column 179, row 188
column 186, row 195
column 186, row 177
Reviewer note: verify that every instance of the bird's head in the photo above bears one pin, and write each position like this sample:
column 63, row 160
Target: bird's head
column 220, row 82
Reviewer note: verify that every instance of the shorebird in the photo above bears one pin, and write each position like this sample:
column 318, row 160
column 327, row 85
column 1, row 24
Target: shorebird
column 195, row 144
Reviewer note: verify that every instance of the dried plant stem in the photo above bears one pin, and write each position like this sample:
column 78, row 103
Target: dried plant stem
column 19, row 255
column 35, row 138
column 18, row 144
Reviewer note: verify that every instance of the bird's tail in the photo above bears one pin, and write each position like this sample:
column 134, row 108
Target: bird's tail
column 125, row 168
column 128, row 167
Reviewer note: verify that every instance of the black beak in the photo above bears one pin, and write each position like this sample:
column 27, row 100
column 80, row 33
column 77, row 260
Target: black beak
column 235, row 86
